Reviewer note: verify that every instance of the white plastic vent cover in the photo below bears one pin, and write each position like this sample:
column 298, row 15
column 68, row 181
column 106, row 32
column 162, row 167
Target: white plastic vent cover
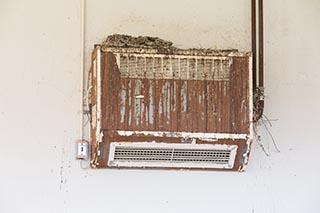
column 144, row 154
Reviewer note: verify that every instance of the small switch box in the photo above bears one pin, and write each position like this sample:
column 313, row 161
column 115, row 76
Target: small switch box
column 82, row 149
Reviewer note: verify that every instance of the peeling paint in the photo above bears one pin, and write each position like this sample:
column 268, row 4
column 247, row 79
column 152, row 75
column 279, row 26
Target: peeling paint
column 200, row 135
column 149, row 95
column 99, row 95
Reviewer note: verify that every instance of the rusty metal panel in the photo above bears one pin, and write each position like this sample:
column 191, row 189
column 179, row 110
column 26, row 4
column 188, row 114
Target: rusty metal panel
column 176, row 97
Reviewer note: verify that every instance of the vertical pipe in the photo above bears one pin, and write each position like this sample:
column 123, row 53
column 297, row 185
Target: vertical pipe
column 254, row 43
column 257, row 58
column 261, row 51
column 82, row 31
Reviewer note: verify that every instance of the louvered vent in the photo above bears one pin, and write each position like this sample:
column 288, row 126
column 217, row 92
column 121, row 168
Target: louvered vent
column 172, row 155
column 216, row 68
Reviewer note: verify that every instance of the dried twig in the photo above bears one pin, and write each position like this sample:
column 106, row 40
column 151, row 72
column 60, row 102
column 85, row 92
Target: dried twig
column 258, row 139
column 267, row 119
column 271, row 136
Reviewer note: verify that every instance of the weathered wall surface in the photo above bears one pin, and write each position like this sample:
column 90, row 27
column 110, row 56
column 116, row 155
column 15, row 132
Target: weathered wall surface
column 40, row 98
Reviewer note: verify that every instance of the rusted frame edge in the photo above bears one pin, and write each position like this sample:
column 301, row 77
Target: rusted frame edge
column 98, row 133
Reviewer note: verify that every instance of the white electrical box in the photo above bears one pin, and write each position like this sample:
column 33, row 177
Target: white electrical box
column 82, row 149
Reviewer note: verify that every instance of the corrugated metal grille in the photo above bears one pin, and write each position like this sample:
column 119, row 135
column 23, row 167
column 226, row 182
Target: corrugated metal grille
column 171, row 155
column 174, row 67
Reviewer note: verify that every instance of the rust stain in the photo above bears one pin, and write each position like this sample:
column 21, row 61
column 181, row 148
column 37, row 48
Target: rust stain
column 173, row 94
column 173, row 104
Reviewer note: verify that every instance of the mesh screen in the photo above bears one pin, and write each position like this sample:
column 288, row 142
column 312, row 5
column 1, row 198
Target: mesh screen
column 174, row 67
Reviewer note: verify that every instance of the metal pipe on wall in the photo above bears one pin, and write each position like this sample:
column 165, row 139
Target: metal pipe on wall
column 261, row 51
column 254, row 43
column 257, row 55
column 82, row 64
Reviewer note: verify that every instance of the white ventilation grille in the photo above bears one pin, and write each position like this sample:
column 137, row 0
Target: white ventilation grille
column 172, row 155
column 174, row 67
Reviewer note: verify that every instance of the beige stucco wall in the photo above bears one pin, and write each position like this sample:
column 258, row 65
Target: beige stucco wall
column 40, row 99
